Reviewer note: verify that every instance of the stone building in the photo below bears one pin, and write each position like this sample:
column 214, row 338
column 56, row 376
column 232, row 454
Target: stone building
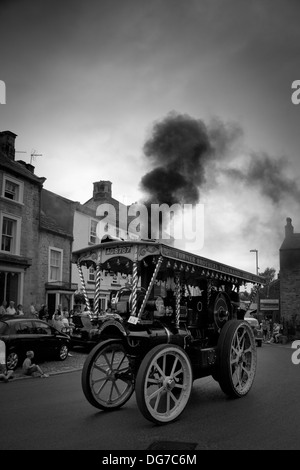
column 36, row 230
column 55, row 251
column 20, row 195
column 290, row 275
column 86, row 234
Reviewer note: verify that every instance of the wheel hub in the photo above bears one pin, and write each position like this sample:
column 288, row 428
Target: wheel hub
column 169, row 383
column 110, row 374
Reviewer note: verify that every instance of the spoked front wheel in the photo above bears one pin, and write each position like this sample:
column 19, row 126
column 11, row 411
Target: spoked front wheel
column 107, row 378
column 237, row 358
column 164, row 383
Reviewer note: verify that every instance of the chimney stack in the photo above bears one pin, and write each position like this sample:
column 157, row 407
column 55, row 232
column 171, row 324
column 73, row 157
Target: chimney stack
column 102, row 190
column 7, row 144
column 289, row 229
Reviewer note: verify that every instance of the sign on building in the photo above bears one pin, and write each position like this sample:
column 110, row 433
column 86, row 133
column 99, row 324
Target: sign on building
column 269, row 304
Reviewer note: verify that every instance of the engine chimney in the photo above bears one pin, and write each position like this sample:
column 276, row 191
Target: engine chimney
column 7, row 143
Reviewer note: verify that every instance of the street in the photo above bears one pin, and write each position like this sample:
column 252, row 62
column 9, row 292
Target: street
column 53, row 414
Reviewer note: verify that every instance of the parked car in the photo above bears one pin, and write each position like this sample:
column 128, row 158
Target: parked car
column 24, row 334
column 254, row 323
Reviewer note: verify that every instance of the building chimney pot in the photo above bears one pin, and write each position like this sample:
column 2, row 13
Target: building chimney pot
column 7, row 143
column 102, row 190
column 289, row 229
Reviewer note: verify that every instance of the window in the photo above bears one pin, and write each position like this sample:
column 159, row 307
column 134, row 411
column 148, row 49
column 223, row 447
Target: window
column 42, row 329
column 24, row 328
column 55, row 264
column 13, row 189
column 93, row 231
column 10, row 234
column 92, row 274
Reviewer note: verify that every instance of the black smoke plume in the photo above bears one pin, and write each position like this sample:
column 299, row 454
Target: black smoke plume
column 268, row 176
column 180, row 148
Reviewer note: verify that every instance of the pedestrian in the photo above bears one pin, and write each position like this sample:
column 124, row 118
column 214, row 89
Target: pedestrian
column 33, row 311
column 43, row 313
column 11, row 309
column 277, row 332
column 20, row 310
column 57, row 320
column 264, row 326
column 68, row 324
column 5, row 374
column 3, row 308
column 29, row 368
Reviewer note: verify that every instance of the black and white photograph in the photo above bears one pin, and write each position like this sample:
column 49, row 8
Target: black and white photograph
column 149, row 227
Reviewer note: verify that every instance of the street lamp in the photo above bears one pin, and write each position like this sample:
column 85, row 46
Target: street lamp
column 256, row 251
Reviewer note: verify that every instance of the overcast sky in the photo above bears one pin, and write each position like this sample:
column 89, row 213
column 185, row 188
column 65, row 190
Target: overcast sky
column 87, row 80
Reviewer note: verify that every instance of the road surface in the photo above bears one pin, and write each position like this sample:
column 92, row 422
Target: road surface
column 53, row 414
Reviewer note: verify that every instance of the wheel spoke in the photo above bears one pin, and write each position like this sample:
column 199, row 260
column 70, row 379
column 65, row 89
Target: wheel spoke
column 114, row 385
column 95, row 381
column 245, row 370
column 121, row 362
column 102, row 386
column 151, row 380
column 234, row 360
column 157, row 392
column 168, row 403
column 236, row 377
column 160, row 370
column 176, row 400
column 96, row 366
column 180, row 371
column 174, row 367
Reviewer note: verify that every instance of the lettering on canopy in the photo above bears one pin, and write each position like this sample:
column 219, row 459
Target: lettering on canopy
column 118, row 250
column 205, row 263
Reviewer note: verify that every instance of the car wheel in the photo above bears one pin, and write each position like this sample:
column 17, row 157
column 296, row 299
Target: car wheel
column 63, row 352
column 12, row 360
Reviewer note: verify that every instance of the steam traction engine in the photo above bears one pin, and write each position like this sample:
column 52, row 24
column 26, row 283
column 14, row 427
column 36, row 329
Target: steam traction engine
column 178, row 320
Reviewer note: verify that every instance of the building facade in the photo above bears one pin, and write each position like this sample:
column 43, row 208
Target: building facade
column 86, row 234
column 290, row 276
column 36, row 229
column 55, row 251
column 20, row 195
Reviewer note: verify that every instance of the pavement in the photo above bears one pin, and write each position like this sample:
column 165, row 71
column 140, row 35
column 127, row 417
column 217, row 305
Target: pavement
column 74, row 362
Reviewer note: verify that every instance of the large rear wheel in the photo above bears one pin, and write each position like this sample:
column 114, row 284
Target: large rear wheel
column 237, row 358
column 164, row 383
column 107, row 378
